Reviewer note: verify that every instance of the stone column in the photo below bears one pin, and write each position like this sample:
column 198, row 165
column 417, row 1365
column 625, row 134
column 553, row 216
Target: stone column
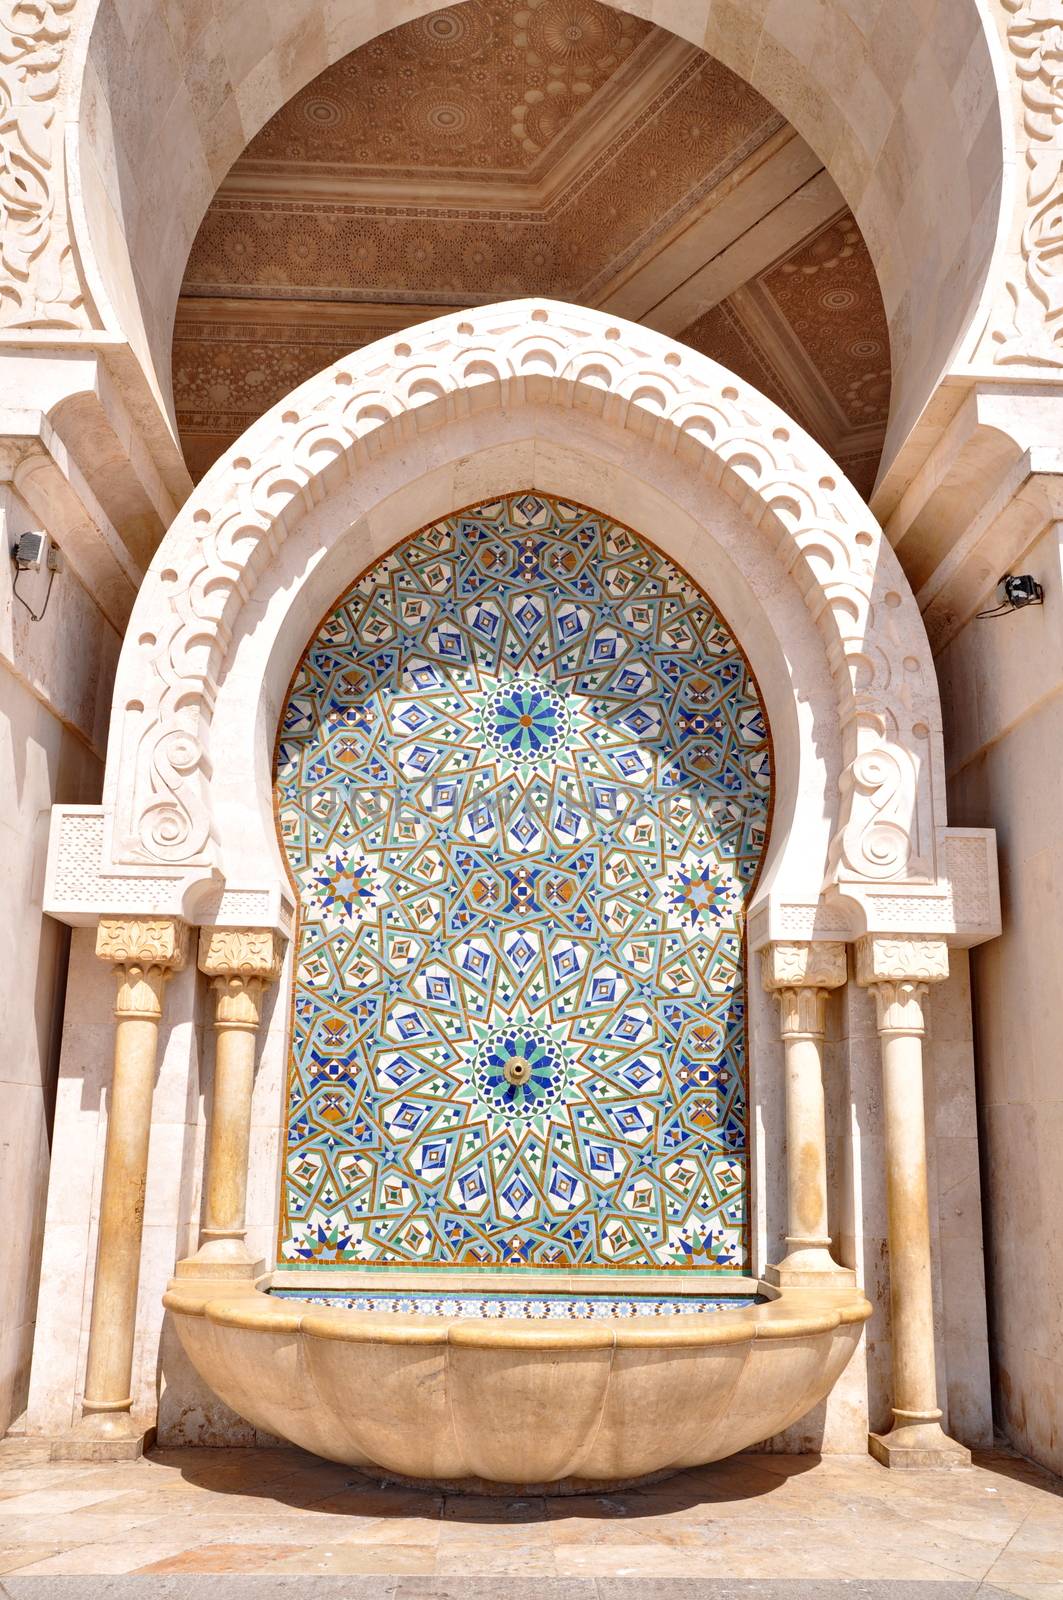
column 143, row 953
column 802, row 975
column 898, row 972
column 241, row 964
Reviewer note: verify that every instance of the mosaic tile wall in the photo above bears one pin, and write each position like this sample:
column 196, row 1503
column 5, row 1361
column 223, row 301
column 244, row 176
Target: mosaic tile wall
column 524, row 1308
column 523, row 786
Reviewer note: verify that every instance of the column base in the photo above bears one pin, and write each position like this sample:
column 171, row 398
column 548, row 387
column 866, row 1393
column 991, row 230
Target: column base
column 211, row 1263
column 103, row 1436
column 811, row 1267
column 917, row 1446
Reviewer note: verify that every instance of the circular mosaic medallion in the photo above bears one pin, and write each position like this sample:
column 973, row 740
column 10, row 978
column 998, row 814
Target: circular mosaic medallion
column 520, row 1072
column 525, row 720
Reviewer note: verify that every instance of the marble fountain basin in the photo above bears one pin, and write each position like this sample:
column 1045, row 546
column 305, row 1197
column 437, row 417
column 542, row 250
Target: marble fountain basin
column 543, row 1399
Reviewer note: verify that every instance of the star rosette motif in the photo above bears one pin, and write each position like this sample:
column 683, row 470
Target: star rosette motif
column 342, row 889
column 525, row 720
column 520, row 1072
column 702, row 896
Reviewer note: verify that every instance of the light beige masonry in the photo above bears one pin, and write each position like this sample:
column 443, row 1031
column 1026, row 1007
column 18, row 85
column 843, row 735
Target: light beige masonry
column 241, row 963
column 143, row 955
column 899, row 973
column 801, row 977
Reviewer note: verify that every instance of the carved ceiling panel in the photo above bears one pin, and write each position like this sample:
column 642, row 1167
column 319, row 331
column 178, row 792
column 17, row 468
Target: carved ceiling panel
column 487, row 87
column 515, row 147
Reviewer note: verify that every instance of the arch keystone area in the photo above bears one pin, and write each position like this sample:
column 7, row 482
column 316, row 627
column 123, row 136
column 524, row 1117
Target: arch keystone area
column 156, row 842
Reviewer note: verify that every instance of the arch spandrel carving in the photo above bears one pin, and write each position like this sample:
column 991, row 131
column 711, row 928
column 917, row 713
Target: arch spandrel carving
column 368, row 408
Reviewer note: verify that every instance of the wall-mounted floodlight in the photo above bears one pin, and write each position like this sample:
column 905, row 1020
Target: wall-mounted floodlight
column 31, row 552
column 1016, row 591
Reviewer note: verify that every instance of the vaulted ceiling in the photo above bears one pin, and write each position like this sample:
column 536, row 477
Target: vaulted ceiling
column 510, row 147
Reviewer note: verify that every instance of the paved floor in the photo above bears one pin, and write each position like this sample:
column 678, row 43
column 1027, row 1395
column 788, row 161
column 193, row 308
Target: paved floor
column 213, row 1523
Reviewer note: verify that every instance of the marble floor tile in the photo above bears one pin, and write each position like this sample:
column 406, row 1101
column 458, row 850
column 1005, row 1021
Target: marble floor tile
column 224, row 1558
column 841, row 1525
column 352, row 1558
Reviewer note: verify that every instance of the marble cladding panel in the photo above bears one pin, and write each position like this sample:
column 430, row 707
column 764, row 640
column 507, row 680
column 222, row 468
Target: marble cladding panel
column 1003, row 712
column 54, row 678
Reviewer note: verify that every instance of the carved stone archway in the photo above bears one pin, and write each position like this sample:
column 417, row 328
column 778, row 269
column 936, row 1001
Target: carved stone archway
column 904, row 110
column 891, row 863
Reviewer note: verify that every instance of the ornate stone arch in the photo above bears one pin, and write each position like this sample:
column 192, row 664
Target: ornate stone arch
column 159, row 843
column 907, row 108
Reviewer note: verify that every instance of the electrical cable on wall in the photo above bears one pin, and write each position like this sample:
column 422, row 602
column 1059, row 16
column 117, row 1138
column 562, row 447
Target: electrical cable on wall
column 28, row 554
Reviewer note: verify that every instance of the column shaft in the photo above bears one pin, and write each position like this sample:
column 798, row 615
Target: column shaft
column 911, row 1287
column 806, row 1141
column 241, row 963
column 801, row 976
column 898, row 973
column 125, row 1168
column 144, row 954
column 230, row 1133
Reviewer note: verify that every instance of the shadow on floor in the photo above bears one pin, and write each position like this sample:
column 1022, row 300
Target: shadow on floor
column 293, row 1478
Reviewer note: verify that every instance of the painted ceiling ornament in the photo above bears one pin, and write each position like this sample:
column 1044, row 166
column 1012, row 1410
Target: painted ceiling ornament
column 516, row 1041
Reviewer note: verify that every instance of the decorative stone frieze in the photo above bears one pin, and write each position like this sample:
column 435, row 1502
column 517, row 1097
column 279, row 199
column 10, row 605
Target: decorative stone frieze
column 40, row 287
column 1035, row 39
column 817, row 964
column 879, row 959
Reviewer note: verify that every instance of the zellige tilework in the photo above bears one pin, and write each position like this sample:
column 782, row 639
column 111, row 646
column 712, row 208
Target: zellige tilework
column 523, row 787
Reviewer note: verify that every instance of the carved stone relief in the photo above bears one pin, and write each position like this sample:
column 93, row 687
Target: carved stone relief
column 39, row 285
column 206, row 568
column 1035, row 337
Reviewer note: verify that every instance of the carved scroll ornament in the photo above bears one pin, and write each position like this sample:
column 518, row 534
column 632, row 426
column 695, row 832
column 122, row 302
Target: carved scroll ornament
column 39, row 285
column 1035, row 38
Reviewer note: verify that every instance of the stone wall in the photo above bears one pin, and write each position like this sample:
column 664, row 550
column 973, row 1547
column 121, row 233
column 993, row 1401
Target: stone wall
column 55, row 689
column 1002, row 687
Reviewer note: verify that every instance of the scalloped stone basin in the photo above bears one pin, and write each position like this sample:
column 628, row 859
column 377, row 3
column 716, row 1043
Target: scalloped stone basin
column 532, row 1402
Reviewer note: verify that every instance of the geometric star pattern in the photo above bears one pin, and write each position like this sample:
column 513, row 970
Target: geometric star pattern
column 523, row 787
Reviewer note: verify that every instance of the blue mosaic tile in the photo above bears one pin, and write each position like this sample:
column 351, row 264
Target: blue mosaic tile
column 565, row 1307
column 523, row 786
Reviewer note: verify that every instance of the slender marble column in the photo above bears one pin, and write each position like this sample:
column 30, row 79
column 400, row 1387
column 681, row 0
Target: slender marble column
column 898, row 972
column 143, row 954
column 241, row 964
column 802, row 975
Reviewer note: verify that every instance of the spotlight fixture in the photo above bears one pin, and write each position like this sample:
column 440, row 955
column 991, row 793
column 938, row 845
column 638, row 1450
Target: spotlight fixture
column 29, row 553
column 1016, row 591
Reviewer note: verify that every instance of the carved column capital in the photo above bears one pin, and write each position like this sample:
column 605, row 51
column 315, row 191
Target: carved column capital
column 899, row 972
column 144, row 952
column 814, row 964
column 801, row 974
column 241, row 963
column 918, row 957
